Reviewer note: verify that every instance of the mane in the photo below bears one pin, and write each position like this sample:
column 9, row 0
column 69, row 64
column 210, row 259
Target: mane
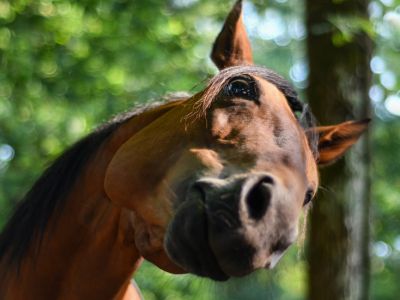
column 48, row 195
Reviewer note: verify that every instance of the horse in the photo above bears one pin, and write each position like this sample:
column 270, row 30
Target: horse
column 211, row 184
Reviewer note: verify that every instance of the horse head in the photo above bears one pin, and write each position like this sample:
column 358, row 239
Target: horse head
column 216, row 185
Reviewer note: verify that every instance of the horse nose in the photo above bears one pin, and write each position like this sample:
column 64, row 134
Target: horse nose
column 207, row 187
column 251, row 193
column 256, row 195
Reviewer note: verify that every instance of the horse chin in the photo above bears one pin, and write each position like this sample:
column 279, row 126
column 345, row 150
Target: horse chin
column 161, row 260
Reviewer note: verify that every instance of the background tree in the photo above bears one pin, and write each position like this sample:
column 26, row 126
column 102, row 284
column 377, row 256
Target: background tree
column 339, row 52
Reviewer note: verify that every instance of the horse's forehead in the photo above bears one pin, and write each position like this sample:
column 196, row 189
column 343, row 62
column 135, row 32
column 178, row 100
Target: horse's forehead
column 271, row 92
column 279, row 113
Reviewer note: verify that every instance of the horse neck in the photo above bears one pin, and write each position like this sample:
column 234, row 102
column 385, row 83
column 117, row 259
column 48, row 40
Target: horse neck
column 88, row 250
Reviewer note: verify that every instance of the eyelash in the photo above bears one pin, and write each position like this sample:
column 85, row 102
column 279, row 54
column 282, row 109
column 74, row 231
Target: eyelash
column 252, row 93
column 242, row 87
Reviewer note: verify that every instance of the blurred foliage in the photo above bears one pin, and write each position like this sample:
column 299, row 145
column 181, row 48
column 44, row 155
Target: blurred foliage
column 67, row 66
column 385, row 97
column 285, row 282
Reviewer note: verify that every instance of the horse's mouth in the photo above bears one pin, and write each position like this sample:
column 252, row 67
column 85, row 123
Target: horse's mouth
column 187, row 242
column 204, row 239
column 202, row 264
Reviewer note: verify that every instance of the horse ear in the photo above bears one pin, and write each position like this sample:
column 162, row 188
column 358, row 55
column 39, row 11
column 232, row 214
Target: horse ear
column 335, row 140
column 232, row 46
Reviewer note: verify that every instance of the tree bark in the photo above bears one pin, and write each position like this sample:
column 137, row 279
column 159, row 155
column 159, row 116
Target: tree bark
column 338, row 90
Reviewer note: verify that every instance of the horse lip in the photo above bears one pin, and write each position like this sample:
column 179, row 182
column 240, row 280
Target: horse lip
column 196, row 192
column 216, row 209
column 209, row 266
column 222, row 276
column 222, row 214
column 226, row 219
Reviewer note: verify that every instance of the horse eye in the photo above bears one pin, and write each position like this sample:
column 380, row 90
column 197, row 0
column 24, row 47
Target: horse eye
column 308, row 197
column 242, row 87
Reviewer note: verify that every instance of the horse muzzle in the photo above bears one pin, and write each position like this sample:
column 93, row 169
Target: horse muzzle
column 230, row 227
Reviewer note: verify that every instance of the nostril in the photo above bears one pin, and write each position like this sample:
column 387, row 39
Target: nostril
column 259, row 197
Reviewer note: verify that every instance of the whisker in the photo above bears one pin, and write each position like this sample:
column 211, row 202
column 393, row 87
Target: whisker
column 326, row 190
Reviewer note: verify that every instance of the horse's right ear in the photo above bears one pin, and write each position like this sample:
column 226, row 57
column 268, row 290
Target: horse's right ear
column 232, row 46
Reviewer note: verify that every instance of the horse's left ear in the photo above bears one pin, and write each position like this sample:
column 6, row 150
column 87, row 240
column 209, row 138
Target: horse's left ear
column 232, row 46
column 335, row 140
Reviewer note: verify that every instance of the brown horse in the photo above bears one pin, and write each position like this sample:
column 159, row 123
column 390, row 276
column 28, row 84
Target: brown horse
column 213, row 185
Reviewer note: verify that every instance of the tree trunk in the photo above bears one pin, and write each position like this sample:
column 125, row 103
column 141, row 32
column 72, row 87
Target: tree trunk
column 338, row 90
